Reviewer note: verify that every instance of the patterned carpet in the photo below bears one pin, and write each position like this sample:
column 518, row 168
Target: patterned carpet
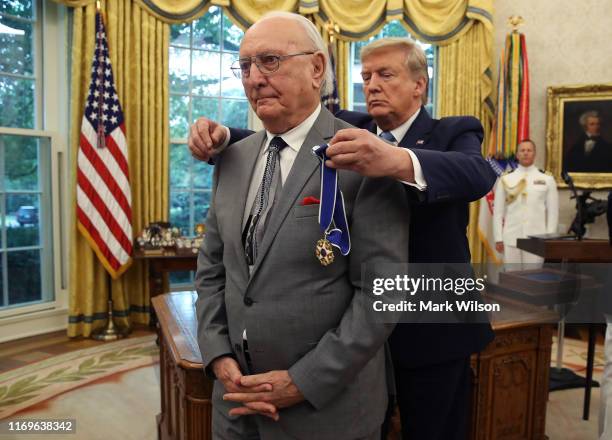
column 575, row 355
column 27, row 386
column 85, row 386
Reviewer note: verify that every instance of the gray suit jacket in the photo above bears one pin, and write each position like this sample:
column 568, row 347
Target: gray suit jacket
column 301, row 316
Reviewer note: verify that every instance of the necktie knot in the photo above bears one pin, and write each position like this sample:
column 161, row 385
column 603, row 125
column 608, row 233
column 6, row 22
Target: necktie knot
column 388, row 136
column 277, row 144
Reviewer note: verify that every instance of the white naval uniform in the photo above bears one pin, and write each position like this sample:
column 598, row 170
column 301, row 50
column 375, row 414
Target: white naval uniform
column 526, row 203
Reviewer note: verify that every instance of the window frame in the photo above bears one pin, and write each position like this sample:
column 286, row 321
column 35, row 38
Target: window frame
column 52, row 119
column 175, row 142
column 54, row 235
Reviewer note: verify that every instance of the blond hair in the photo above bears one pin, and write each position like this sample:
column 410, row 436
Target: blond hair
column 415, row 62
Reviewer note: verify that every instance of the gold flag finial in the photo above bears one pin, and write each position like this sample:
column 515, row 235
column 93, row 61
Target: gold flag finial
column 332, row 29
column 515, row 21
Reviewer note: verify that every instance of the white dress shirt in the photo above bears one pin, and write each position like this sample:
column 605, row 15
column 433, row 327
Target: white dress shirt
column 399, row 133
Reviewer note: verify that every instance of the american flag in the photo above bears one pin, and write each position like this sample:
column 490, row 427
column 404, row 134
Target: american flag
column 104, row 201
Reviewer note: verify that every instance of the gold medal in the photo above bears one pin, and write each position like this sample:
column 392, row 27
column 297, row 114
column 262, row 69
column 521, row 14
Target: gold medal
column 324, row 252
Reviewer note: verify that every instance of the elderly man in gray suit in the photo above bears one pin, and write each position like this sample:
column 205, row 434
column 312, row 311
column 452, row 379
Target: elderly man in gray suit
column 289, row 340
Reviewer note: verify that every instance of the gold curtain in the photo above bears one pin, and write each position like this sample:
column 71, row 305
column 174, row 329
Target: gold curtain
column 343, row 67
column 464, row 87
column 138, row 45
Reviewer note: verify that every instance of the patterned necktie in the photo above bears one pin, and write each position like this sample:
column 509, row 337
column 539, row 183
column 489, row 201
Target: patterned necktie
column 388, row 136
column 271, row 184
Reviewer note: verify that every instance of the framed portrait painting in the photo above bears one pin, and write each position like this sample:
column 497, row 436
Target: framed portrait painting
column 579, row 134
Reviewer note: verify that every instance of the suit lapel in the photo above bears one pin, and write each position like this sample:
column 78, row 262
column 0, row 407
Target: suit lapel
column 419, row 130
column 245, row 165
column 372, row 128
column 304, row 166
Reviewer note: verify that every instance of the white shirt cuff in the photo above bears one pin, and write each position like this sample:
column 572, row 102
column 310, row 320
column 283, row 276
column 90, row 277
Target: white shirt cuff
column 419, row 179
column 225, row 143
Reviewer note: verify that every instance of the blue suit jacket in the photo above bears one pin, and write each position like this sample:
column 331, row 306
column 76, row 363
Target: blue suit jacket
column 456, row 174
column 449, row 152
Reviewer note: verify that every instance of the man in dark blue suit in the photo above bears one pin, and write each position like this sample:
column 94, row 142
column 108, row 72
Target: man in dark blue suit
column 443, row 169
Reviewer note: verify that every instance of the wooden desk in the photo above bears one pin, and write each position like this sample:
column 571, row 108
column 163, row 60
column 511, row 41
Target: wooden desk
column 583, row 251
column 510, row 376
column 185, row 389
column 574, row 251
column 169, row 261
column 510, row 390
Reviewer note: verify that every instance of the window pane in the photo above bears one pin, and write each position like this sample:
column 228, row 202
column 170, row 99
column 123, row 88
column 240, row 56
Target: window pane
column 205, row 73
column 230, row 85
column 214, row 45
column 201, row 203
column 17, row 98
column 180, row 34
column 202, row 174
column 179, row 210
column 15, row 46
column 179, row 70
column 20, row 163
column 208, row 107
column 206, row 30
column 232, row 35
column 179, row 117
column 235, row 113
column 179, row 166
column 22, row 220
column 394, row 29
column 23, row 269
column 19, row 8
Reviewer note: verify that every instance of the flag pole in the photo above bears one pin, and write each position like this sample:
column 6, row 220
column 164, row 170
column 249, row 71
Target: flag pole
column 111, row 331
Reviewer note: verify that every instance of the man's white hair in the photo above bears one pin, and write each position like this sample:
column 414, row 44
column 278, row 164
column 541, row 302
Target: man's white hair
column 586, row 115
column 327, row 86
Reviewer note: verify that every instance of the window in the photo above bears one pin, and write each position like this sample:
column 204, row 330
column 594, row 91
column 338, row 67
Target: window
column 26, row 238
column 392, row 29
column 201, row 84
column 30, row 273
column 19, row 61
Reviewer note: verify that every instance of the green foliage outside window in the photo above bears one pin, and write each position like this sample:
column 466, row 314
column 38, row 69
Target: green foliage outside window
column 201, row 84
column 21, row 191
column 17, row 82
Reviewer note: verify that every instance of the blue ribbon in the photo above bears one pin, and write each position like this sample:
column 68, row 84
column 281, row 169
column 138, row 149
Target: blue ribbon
column 331, row 207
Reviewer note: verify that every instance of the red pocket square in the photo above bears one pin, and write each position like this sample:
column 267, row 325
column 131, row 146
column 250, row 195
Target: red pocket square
column 310, row 200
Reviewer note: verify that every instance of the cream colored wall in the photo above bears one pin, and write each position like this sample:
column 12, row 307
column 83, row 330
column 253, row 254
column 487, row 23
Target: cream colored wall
column 568, row 42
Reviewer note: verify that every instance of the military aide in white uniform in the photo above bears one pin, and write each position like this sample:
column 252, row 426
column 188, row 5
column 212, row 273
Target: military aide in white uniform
column 526, row 203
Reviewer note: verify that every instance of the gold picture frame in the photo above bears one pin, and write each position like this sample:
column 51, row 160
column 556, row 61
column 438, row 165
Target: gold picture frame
column 567, row 147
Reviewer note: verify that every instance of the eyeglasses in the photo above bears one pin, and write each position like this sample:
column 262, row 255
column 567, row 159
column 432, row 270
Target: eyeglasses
column 266, row 63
